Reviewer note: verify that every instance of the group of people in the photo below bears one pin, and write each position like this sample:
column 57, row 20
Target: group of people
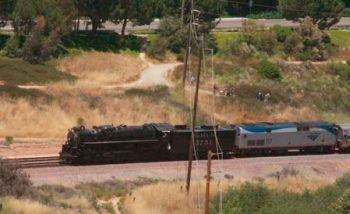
column 263, row 97
column 230, row 91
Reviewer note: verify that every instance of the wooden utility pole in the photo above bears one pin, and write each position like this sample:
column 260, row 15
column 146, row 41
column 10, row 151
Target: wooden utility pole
column 184, row 73
column 207, row 190
column 182, row 14
column 190, row 150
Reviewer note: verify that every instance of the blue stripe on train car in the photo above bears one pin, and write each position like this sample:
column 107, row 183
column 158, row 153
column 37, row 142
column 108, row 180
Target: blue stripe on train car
column 263, row 128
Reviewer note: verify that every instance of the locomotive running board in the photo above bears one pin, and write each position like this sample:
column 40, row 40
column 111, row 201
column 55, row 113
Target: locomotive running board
column 123, row 141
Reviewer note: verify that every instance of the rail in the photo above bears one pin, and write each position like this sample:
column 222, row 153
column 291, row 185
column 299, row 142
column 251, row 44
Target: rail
column 32, row 162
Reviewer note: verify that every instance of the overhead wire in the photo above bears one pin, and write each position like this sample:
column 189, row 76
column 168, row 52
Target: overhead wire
column 263, row 6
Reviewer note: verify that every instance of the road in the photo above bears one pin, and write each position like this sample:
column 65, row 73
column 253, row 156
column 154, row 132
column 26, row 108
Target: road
column 225, row 24
column 322, row 167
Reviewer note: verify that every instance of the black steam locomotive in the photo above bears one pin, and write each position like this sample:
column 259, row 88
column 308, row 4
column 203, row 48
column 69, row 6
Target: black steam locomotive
column 148, row 142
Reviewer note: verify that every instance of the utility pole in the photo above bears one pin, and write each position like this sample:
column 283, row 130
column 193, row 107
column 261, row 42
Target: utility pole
column 190, row 150
column 207, row 190
column 182, row 14
column 184, row 73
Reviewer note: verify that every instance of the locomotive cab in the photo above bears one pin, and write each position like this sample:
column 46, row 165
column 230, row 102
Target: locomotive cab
column 343, row 137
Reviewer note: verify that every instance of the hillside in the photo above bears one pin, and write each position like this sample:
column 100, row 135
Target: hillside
column 87, row 93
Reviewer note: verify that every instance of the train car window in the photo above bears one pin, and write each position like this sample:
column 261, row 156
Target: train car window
column 251, row 143
column 269, row 130
column 260, row 142
column 299, row 129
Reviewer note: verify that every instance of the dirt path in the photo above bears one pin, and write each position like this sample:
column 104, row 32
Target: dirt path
column 154, row 74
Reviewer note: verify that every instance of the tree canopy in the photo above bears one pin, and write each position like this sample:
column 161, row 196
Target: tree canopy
column 324, row 13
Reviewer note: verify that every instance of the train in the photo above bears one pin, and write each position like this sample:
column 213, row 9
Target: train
column 163, row 141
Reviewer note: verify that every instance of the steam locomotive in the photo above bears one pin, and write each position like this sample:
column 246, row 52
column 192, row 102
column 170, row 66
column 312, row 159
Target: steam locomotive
column 163, row 141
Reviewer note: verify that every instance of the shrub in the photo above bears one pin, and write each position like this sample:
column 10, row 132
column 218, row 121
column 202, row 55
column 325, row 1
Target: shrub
column 308, row 42
column 343, row 203
column 255, row 35
column 8, row 140
column 342, row 70
column 282, row 33
column 14, row 182
column 241, row 49
column 13, row 47
column 249, row 198
column 266, row 41
column 38, row 47
column 269, row 70
column 157, row 49
column 80, row 121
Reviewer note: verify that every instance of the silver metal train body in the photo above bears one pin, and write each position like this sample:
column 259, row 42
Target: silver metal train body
column 281, row 137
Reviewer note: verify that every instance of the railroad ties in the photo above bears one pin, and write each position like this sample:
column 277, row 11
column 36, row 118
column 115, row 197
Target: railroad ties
column 31, row 162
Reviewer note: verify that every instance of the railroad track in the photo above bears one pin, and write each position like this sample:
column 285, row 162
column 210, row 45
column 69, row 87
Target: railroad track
column 31, row 162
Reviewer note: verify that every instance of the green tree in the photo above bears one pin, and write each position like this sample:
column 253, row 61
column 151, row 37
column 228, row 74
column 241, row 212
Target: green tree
column 324, row 13
column 308, row 42
column 139, row 12
column 58, row 15
column 42, row 23
column 97, row 10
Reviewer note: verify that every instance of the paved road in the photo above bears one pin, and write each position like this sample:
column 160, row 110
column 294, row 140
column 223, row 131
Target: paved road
column 325, row 167
column 225, row 23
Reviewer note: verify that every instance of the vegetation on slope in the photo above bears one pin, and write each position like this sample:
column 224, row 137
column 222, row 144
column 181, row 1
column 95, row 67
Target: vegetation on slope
column 260, row 198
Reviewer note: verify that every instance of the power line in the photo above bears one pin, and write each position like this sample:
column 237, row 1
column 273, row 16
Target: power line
column 267, row 6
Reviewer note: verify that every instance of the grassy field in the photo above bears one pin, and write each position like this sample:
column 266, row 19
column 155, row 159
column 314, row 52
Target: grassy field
column 261, row 198
column 19, row 72
column 223, row 37
column 340, row 38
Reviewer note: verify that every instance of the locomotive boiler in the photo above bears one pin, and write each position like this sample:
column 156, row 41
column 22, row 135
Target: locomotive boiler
column 115, row 144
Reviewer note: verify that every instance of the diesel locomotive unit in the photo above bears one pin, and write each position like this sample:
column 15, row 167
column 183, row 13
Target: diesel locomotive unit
column 163, row 141
column 281, row 137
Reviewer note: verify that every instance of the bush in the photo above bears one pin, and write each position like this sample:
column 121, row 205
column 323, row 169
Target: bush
column 38, row 47
column 8, row 140
column 257, row 36
column 308, row 42
column 266, row 41
column 176, row 39
column 13, row 47
column 269, row 70
column 282, row 33
column 342, row 70
column 157, row 49
column 80, row 121
column 343, row 203
column 240, row 49
column 249, row 198
column 14, row 182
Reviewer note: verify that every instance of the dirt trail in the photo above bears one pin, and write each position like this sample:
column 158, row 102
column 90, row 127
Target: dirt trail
column 154, row 74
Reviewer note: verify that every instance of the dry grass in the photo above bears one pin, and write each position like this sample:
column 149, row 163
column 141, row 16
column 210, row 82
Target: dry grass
column 232, row 112
column 172, row 198
column 22, row 119
column 296, row 184
column 14, row 206
column 103, row 68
